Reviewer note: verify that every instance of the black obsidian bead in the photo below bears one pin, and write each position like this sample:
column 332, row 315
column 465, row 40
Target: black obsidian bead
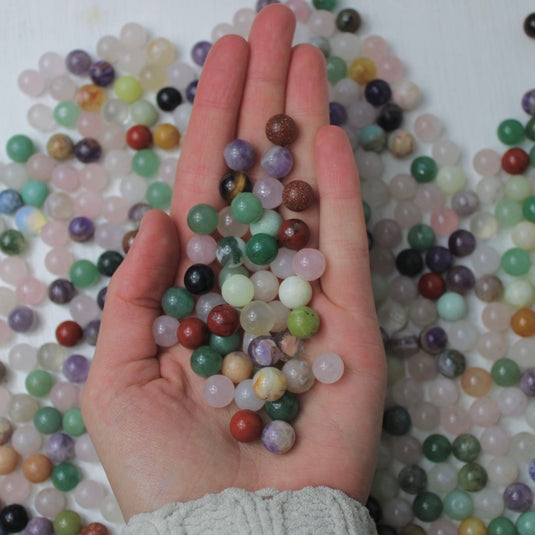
column 168, row 98
column 108, row 262
column 199, row 279
column 348, row 20
column 409, row 262
column 13, row 518
column 385, row 529
column 374, row 508
column 529, row 25
column 390, row 117
column 396, row 420
column 377, row 92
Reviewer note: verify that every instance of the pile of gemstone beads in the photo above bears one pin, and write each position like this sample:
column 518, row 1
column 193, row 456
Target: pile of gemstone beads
column 447, row 463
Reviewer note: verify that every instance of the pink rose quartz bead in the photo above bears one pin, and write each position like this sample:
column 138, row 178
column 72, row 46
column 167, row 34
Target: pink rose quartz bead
column 512, row 401
column 406, row 94
column 444, row 221
column 443, row 392
column 201, row 249
column 300, row 8
column 328, row 368
column 407, row 214
column 5, row 332
column 58, row 261
column 14, row 488
column 89, row 204
column 55, row 233
column 497, row 316
column 51, row 64
column 495, row 440
column 427, row 127
column 309, row 264
column 164, row 330
column 40, row 167
column 90, row 124
column 389, row 68
column 429, row 197
column 445, row 152
column 62, row 87
column 422, row 367
column 93, row 177
column 109, row 236
column 30, row 291
column 50, row 502
column 487, row 162
column 218, row 391
column 374, row 47
column 492, row 345
column 66, row 177
column 31, row 82
column 269, row 191
column 455, row 420
column 13, row 270
column 115, row 209
column 83, row 309
column 85, row 450
column 65, row 395
column 321, row 23
column 484, row 412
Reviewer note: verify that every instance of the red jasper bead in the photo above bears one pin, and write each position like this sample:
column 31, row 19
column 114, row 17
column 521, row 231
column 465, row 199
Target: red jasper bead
column 69, row 333
column 431, row 285
column 192, row 333
column 515, row 161
column 246, row 425
column 223, row 320
column 139, row 137
column 293, row 234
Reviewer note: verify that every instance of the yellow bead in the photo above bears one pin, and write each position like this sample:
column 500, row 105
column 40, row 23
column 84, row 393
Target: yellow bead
column 472, row 526
column 362, row 70
column 166, row 136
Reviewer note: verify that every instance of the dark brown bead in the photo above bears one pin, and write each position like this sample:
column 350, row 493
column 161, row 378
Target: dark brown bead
column 128, row 240
column 297, row 195
column 192, row 333
column 95, row 528
column 223, row 320
column 281, row 129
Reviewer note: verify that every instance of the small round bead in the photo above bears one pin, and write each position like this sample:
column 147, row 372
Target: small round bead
column 297, row 195
column 281, row 130
column 278, row 436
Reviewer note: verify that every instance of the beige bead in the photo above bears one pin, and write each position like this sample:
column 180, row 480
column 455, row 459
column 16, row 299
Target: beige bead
column 237, row 366
column 9, row 459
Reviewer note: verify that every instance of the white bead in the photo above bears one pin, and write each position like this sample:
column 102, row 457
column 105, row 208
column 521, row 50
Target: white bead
column 295, row 292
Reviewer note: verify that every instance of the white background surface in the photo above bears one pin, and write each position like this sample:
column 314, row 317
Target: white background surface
column 471, row 59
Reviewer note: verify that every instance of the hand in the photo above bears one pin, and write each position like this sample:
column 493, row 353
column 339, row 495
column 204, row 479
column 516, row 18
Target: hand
column 157, row 439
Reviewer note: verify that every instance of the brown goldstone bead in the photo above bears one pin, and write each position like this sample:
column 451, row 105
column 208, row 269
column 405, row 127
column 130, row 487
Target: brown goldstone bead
column 281, row 129
column 37, row 468
column 95, row 528
column 297, row 195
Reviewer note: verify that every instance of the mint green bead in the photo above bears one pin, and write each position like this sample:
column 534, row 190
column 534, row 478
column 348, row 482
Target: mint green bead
column 421, row 236
column 269, row 223
column 367, row 212
column 528, row 208
column 508, row 213
column 128, row 89
column 47, row 420
column 145, row 163
column 143, row 112
column 227, row 272
column 511, row 132
column 519, row 293
column 159, row 195
column 66, row 114
column 458, row 505
column 505, row 372
column 39, row 383
column 73, row 423
column 224, row 344
column 372, row 137
column 427, row 506
column 336, row 69
column 34, row 193
column 303, row 322
column 424, row 169
column 501, row 526
column 516, row 262
column 84, row 273
column 450, row 179
column 518, row 188
column 525, row 523
column 261, row 249
column 177, row 302
column 12, row 242
column 19, row 148
column 328, row 5
column 65, row 476
column 203, row 219
column 67, row 522
column 246, row 208
column 451, row 306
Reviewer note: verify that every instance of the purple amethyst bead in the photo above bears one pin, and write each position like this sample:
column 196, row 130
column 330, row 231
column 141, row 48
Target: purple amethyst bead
column 78, row 62
column 101, row 297
column 199, row 52
column 261, row 4
column 460, row 279
column 527, row 382
column 191, row 90
column 528, row 102
column 337, row 113
column 88, row 150
column 22, row 319
column 433, row 339
column 264, row 351
column 61, row 291
column 102, row 73
column 465, row 202
column 39, row 526
column 461, row 242
column 518, row 497
column 531, row 469
column 91, row 332
column 81, row 229
column 278, row 436
column 277, row 161
column 438, row 259
column 59, row 447
column 137, row 211
column 76, row 368
column 377, row 92
column 239, row 155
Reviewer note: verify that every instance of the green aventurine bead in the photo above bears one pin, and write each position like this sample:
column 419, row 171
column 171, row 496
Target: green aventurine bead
column 159, row 195
column 34, row 193
column 336, row 69
column 501, row 526
column 367, row 212
column 261, row 249
column 145, row 163
column 532, row 156
column 285, row 408
column 108, row 262
column 529, row 129
column 83, row 273
column 224, row 344
column 66, row 114
column 525, row 523
column 511, row 132
column 67, row 523
column 246, row 208
column 466, row 447
column 508, row 213
column 65, row 476
column 177, row 302
column 516, row 261
column 227, row 272
column 421, row 236
column 128, row 88
column 47, row 420
column 73, row 423
column 269, row 223
column 424, row 169
column 458, row 504
column 143, row 112
column 528, row 208
column 472, row 477
column 38, row 383
column 436, row 448
column 427, row 506
column 19, row 148
column 206, row 361
column 505, row 372
column 203, row 219
column 303, row 322
column 328, row 5
column 12, row 242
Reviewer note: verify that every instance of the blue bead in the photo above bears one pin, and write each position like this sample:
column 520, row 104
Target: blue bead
column 10, row 201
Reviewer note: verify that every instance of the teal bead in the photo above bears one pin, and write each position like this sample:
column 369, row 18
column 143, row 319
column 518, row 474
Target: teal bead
column 206, row 361
column 458, row 505
column 336, row 69
column 516, row 261
column 246, row 208
column 203, row 219
column 328, row 5
column 177, row 302
column 372, row 137
column 472, row 477
column 227, row 272
column 108, row 262
column 451, row 306
column 19, row 148
column 466, row 447
column 525, row 523
column 73, row 423
column 47, row 420
column 34, row 193
column 501, row 526
column 367, row 212
column 269, row 223
column 66, row 114
column 424, row 169
column 528, row 208
column 83, row 274
column 261, row 249
column 436, row 448
column 303, row 322
column 427, row 506
column 224, row 344
column 143, row 112
column 508, row 213
column 12, row 242
column 505, row 372
column 65, row 476
column 145, row 163
column 159, row 195
column 68, row 522
column 39, row 383
column 285, row 408
column 421, row 237
column 511, row 132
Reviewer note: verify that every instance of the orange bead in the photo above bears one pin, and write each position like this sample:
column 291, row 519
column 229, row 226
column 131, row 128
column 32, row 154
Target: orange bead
column 523, row 322
column 37, row 468
column 9, row 459
column 476, row 382
column 472, row 526
column 362, row 70
column 90, row 97
column 166, row 136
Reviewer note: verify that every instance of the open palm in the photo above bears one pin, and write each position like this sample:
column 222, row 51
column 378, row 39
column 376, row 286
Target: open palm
column 158, row 440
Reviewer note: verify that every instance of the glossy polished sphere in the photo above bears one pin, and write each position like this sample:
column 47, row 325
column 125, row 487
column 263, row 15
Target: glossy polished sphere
column 246, row 425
